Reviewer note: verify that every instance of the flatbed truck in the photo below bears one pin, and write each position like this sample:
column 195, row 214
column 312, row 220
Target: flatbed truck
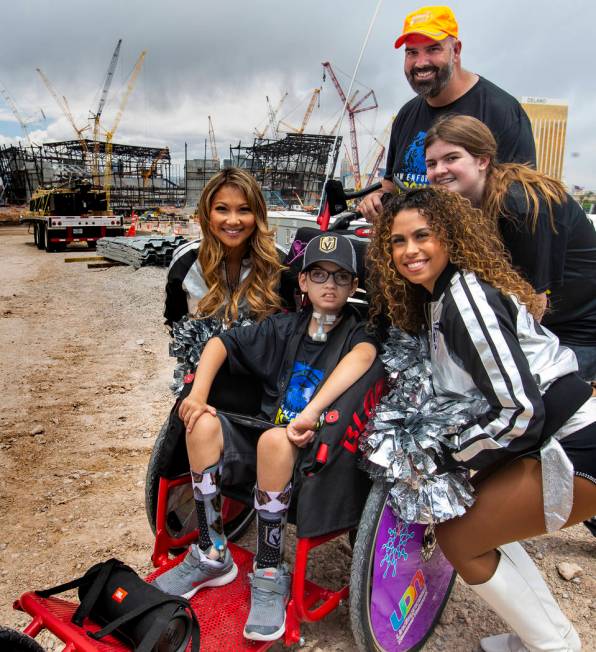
column 76, row 213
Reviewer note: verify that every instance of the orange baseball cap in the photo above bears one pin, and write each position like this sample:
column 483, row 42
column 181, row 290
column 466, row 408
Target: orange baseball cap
column 435, row 22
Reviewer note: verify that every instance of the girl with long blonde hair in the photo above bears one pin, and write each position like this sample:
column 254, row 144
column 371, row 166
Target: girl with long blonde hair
column 436, row 264
column 546, row 232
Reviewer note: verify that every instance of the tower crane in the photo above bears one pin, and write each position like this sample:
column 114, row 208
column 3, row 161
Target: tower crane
column 214, row 155
column 97, row 115
column 63, row 106
column 271, row 113
column 310, row 108
column 352, row 109
column 336, row 125
column 13, row 107
column 110, row 134
column 377, row 155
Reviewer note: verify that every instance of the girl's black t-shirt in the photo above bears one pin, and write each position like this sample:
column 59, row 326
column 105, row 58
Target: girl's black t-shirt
column 561, row 262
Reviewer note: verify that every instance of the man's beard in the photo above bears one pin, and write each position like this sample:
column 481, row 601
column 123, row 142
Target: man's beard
column 433, row 86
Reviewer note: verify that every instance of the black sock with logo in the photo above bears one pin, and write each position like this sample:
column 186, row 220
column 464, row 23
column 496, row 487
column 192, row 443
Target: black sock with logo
column 272, row 515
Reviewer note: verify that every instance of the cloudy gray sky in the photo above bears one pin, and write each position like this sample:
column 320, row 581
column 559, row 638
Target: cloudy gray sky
column 222, row 59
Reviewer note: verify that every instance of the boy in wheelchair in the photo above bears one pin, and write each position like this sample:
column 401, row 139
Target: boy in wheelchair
column 306, row 361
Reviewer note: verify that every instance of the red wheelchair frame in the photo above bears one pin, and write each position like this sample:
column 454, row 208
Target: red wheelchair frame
column 309, row 602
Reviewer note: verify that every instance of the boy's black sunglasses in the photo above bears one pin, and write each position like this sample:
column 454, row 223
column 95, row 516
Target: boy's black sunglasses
column 341, row 276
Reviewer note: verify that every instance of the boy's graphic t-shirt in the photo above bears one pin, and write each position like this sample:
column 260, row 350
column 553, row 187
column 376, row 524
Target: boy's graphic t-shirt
column 307, row 373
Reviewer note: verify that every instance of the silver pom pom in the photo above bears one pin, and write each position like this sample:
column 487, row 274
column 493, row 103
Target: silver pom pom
column 408, row 440
column 189, row 337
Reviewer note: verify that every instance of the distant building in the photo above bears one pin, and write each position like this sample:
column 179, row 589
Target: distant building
column 549, row 125
column 345, row 167
column 197, row 172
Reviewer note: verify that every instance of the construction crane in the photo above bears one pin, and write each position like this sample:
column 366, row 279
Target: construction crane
column 336, row 125
column 271, row 114
column 13, row 107
column 150, row 171
column 377, row 155
column 97, row 115
column 63, row 106
column 352, row 109
column 214, row 155
column 110, row 134
column 310, row 108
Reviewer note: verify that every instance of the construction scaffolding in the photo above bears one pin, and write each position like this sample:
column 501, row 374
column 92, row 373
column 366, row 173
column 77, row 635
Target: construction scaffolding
column 139, row 176
column 293, row 168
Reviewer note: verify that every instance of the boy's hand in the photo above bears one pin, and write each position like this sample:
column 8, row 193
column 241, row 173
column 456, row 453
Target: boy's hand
column 191, row 410
column 301, row 430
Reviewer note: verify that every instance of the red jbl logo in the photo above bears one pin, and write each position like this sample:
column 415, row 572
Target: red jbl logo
column 119, row 594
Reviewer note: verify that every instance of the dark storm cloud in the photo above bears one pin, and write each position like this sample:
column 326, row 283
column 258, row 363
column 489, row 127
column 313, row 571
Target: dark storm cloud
column 222, row 58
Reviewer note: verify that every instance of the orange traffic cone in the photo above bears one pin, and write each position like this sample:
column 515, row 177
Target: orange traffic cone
column 132, row 231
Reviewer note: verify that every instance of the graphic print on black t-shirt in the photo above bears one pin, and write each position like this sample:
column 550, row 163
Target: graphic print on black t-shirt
column 414, row 163
column 303, row 383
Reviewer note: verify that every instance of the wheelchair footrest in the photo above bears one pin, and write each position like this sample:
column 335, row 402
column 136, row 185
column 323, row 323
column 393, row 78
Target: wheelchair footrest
column 221, row 611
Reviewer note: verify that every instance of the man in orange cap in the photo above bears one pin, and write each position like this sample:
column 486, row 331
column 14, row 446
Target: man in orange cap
column 433, row 69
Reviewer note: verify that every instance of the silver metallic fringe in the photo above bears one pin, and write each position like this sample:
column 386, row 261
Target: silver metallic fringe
column 189, row 337
column 409, row 438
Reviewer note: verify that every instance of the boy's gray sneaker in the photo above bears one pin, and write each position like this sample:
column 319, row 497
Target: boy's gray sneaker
column 195, row 572
column 270, row 590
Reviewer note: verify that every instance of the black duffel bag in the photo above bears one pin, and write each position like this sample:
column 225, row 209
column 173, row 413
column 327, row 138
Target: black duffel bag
column 138, row 613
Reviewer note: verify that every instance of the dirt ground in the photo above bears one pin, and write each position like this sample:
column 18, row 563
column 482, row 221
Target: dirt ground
column 84, row 366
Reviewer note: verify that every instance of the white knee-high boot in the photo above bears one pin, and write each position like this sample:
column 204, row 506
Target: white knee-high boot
column 518, row 593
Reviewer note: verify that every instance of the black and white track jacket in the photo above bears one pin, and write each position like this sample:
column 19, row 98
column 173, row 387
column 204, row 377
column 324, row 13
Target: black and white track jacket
column 487, row 345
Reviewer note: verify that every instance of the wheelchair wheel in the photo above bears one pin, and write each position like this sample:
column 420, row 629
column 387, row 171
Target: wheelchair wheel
column 400, row 580
column 182, row 517
column 11, row 639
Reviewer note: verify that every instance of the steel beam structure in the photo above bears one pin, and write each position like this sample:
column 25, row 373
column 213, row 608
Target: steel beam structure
column 138, row 181
column 290, row 167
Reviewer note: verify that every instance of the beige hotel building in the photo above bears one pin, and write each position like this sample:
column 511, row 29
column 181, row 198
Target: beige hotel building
column 549, row 125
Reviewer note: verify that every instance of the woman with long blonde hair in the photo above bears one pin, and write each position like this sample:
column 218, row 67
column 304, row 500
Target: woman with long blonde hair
column 437, row 265
column 234, row 268
column 547, row 234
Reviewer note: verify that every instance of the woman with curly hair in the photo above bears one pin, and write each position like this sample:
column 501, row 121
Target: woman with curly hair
column 548, row 235
column 436, row 264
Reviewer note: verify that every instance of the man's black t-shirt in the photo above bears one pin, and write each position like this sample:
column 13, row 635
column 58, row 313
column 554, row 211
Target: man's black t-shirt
column 501, row 112
column 562, row 262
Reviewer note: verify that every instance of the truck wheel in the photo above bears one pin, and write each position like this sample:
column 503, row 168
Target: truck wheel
column 39, row 236
column 394, row 560
column 50, row 247
column 11, row 639
column 182, row 517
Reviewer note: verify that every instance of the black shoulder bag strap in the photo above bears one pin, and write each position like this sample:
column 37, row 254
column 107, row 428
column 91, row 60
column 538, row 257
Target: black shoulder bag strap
column 98, row 578
column 158, row 625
